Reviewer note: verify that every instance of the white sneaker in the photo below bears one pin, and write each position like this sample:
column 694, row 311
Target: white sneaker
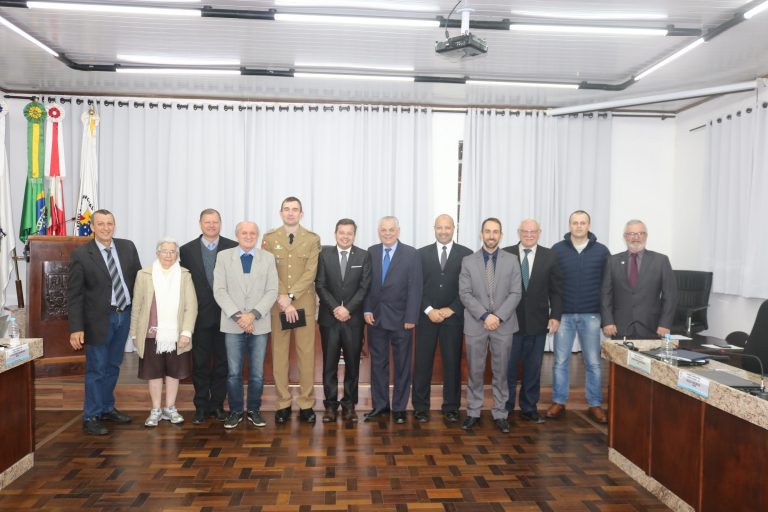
column 155, row 415
column 172, row 415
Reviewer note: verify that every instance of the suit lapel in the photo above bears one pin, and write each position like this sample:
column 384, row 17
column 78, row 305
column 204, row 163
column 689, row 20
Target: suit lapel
column 98, row 259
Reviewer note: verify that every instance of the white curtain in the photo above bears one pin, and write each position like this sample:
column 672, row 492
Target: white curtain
column 737, row 181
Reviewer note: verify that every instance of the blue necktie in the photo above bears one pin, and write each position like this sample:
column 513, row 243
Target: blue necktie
column 385, row 264
column 246, row 260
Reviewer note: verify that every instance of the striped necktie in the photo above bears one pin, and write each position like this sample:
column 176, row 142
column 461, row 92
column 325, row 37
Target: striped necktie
column 525, row 267
column 117, row 284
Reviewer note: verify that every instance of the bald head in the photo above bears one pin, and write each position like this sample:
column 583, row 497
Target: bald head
column 444, row 229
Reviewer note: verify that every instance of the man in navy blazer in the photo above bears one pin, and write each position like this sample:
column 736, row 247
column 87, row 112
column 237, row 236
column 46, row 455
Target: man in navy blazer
column 391, row 312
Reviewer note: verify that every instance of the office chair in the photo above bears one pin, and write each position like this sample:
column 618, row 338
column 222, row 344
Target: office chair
column 693, row 289
column 757, row 343
column 737, row 338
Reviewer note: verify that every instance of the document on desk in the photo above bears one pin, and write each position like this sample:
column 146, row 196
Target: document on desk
column 680, row 337
column 726, row 347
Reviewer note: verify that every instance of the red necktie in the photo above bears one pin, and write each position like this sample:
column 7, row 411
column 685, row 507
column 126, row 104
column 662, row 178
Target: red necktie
column 633, row 269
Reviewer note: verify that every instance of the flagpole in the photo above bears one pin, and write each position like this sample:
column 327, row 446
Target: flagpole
column 19, row 288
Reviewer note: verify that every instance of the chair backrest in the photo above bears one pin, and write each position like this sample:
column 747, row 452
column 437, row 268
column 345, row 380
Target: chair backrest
column 757, row 343
column 693, row 288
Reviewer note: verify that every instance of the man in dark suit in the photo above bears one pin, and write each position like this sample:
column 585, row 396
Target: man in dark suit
column 442, row 317
column 639, row 291
column 101, row 277
column 539, row 312
column 343, row 278
column 391, row 312
column 209, row 353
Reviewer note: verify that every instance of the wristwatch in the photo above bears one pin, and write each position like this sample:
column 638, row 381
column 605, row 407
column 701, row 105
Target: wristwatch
column 291, row 296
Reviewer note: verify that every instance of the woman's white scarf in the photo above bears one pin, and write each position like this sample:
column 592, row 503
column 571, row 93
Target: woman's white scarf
column 167, row 284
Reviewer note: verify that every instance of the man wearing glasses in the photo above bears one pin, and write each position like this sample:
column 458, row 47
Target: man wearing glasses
column 639, row 291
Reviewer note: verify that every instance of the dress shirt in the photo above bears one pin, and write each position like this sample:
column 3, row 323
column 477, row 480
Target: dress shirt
column 391, row 251
column 211, row 246
column 113, row 249
column 531, row 256
column 448, row 248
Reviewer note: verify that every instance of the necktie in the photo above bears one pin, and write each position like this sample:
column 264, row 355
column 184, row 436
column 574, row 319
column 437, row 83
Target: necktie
column 343, row 264
column 247, row 261
column 385, row 264
column 490, row 277
column 525, row 267
column 117, row 283
column 633, row 270
column 212, row 246
column 290, row 238
column 443, row 258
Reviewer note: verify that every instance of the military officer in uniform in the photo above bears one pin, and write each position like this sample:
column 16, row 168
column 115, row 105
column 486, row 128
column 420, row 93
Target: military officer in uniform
column 296, row 251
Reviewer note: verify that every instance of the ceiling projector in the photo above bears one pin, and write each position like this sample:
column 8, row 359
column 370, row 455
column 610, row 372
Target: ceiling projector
column 465, row 45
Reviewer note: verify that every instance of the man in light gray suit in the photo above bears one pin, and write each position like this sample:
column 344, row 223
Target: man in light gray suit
column 245, row 287
column 639, row 291
column 490, row 288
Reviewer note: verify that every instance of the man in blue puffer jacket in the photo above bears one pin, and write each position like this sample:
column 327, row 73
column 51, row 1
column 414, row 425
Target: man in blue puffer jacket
column 582, row 260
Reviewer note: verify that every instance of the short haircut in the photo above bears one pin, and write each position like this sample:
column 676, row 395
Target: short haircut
column 580, row 212
column 292, row 199
column 538, row 226
column 635, row 221
column 389, row 217
column 209, row 211
column 345, row 222
column 101, row 212
column 166, row 240
column 240, row 224
column 491, row 219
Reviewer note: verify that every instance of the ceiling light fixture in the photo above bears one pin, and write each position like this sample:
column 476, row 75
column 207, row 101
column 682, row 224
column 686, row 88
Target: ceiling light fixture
column 402, row 69
column 607, row 16
column 669, row 59
column 584, row 29
column 756, row 10
column 339, row 76
column 114, row 9
column 359, row 4
column 357, row 20
column 26, row 36
column 177, row 71
column 176, row 61
column 521, row 84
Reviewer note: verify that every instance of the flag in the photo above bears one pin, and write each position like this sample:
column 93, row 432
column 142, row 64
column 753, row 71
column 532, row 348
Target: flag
column 7, row 240
column 55, row 170
column 89, row 175
column 34, row 216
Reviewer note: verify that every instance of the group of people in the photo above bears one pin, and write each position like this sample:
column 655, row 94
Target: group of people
column 207, row 307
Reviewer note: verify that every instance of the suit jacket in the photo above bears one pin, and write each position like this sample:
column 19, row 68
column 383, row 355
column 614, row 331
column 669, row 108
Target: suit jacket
column 441, row 287
column 543, row 298
column 89, row 292
column 235, row 291
column 335, row 291
column 396, row 301
column 473, row 291
column 651, row 304
column 191, row 258
column 144, row 292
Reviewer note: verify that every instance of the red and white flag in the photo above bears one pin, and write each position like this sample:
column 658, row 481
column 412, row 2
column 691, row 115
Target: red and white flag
column 55, row 170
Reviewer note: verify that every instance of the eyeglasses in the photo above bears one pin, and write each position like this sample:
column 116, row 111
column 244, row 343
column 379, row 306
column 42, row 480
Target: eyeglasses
column 638, row 234
column 167, row 252
column 528, row 231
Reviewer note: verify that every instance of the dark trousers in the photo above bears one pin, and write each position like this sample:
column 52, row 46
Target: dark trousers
column 528, row 350
column 209, row 371
column 427, row 335
column 335, row 338
column 379, row 342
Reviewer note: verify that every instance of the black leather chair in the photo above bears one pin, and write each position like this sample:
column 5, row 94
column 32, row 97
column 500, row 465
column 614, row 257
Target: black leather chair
column 693, row 289
column 737, row 338
column 757, row 343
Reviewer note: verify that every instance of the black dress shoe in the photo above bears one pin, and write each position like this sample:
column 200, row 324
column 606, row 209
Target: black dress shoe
column 348, row 414
column 470, row 422
column 376, row 413
column 199, row 417
column 218, row 414
column 330, row 415
column 94, row 427
column 502, row 425
column 421, row 416
column 115, row 416
column 282, row 415
column 451, row 416
column 399, row 417
column 532, row 416
column 307, row 415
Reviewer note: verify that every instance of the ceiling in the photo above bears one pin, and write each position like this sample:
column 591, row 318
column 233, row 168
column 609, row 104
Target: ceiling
column 736, row 55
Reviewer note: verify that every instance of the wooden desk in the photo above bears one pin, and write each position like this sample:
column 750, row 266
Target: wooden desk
column 17, row 437
column 693, row 453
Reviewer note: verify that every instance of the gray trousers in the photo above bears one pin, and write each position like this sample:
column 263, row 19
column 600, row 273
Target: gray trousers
column 477, row 351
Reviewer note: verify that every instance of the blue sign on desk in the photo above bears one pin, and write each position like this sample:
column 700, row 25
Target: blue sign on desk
column 16, row 355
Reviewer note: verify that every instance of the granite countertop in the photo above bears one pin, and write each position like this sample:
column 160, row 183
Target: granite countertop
column 733, row 401
column 35, row 352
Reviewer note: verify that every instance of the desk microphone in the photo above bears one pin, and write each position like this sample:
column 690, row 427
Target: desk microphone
column 760, row 394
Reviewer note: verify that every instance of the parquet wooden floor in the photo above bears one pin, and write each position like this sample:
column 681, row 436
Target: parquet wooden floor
column 558, row 466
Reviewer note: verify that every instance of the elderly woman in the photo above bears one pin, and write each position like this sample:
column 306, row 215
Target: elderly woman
column 162, row 319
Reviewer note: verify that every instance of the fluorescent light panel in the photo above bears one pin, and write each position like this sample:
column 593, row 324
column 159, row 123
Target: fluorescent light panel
column 607, row 16
column 176, row 61
column 403, row 69
column 177, row 71
column 583, row 29
column 26, row 36
column 114, row 9
column 756, row 10
column 669, row 59
column 357, row 20
column 522, row 84
column 358, row 4
column 385, row 78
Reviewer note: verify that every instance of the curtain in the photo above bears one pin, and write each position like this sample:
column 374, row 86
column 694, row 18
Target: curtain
column 737, row 180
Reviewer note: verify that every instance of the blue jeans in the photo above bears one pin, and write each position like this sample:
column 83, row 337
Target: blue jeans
column 237, row 345
column 587, row 325
column 102, row 366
